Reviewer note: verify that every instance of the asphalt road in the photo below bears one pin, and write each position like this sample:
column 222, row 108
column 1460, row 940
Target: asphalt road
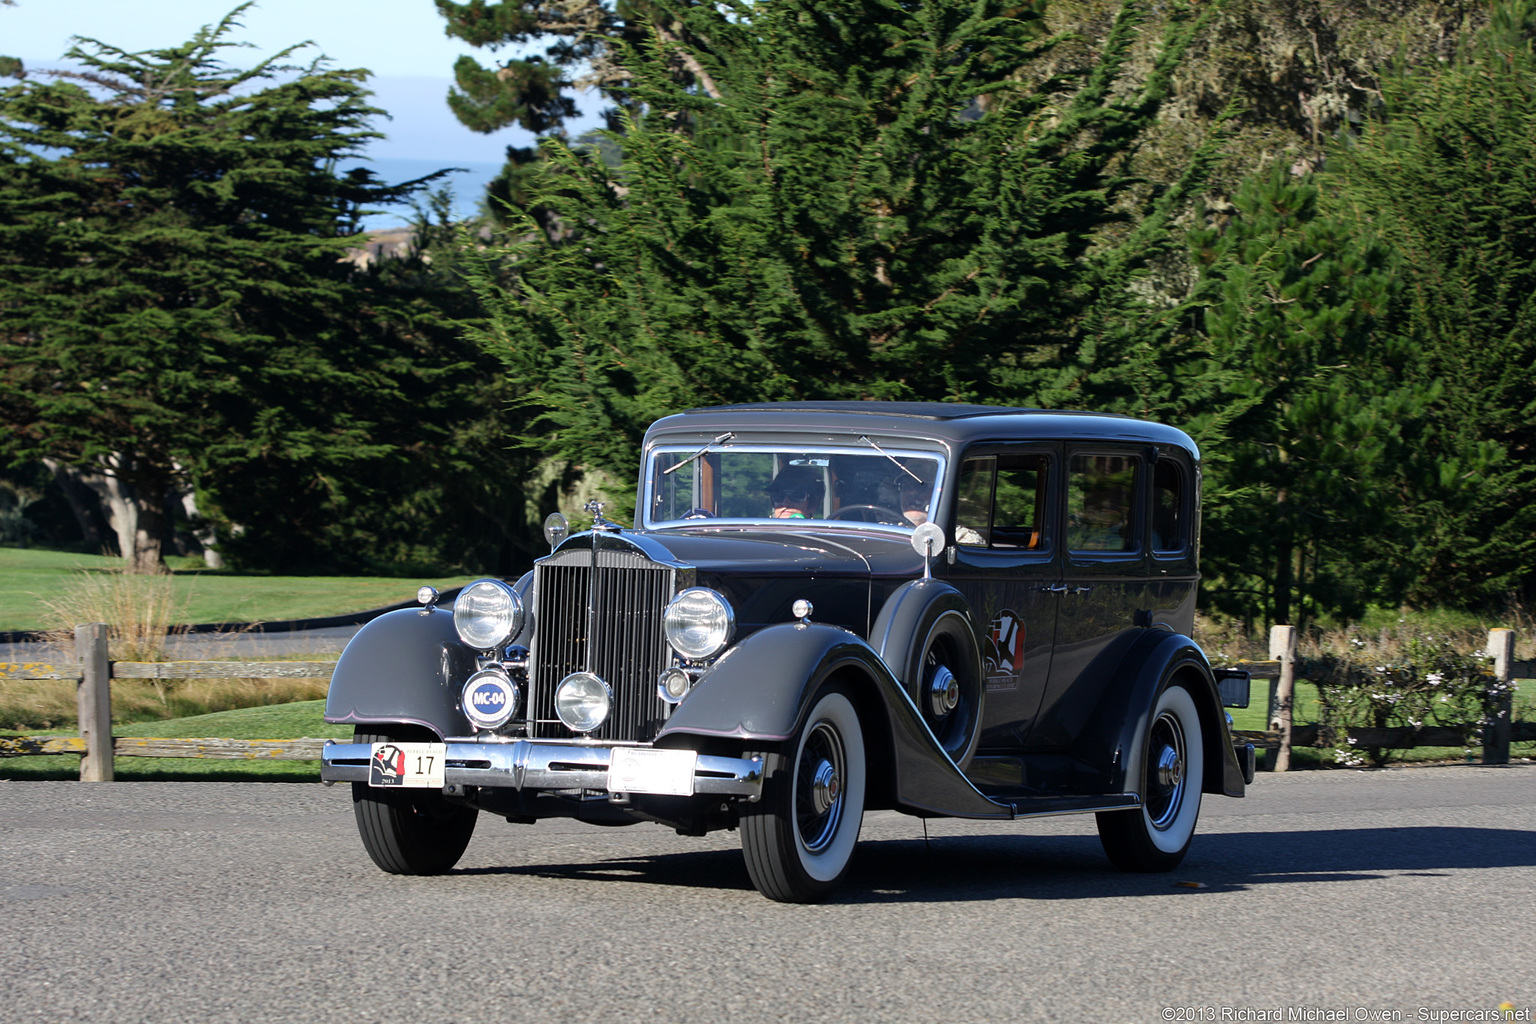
column 1370, row 894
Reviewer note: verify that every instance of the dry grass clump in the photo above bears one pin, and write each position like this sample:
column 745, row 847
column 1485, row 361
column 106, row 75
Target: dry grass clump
column 138, row 609
column 37, row 704
column 50, row 703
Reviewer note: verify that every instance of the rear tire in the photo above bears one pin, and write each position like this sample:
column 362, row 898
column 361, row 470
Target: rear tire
column 1156, row 836
column 798, row 840
column 409, row 831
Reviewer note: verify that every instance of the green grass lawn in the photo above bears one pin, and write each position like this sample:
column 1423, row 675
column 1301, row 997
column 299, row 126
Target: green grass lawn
column 201, row 595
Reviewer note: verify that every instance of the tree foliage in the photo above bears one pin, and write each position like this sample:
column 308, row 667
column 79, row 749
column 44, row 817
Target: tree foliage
column 1447, row 175
column 1326, row 406
column 854, row 200
column 178, row 307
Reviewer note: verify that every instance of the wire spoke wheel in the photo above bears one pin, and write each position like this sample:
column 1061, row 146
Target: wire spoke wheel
column 1155, row 836
column 798, row 840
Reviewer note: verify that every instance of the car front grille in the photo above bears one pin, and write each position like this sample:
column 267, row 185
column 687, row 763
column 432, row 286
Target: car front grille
column 620, row 638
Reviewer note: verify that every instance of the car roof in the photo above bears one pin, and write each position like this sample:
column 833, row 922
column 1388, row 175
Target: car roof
column 951, row 423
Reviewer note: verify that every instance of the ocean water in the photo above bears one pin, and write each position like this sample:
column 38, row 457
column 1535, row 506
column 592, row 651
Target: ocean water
column 468, row 186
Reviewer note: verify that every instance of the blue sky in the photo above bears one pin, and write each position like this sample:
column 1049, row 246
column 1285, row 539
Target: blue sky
column 401, row 41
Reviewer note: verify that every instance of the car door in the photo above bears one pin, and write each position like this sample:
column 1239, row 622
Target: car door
column 1005, row 561
column 1104, row 600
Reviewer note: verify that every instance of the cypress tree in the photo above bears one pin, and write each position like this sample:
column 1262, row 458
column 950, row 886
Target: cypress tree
column 862, row 199
column 176, row 296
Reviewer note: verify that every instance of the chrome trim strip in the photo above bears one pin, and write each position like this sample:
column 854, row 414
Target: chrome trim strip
column 522, row 764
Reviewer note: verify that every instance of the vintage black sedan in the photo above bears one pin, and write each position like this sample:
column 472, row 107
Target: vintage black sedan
column 823, row 608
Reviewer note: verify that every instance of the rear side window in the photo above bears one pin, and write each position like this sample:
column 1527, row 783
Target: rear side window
column 1169, row 518
column 1101, row 502
column 1002, row 502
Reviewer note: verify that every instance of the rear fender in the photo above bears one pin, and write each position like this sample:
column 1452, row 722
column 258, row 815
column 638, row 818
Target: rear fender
column 404, row 666
column 759, row 693
column 1157, row 661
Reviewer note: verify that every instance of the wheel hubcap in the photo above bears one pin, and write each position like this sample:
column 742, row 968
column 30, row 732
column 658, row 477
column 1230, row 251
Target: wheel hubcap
column 825, row 786
column 943, row 691
column 1170, row 767
column 819, row 787
column 1165, row 770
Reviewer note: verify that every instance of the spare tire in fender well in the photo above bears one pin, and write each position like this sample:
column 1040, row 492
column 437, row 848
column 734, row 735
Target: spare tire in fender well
column 924, row 628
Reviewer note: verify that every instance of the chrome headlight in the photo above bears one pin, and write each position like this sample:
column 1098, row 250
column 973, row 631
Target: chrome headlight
column 699, row 623
column 582, row 701
column 487, row 614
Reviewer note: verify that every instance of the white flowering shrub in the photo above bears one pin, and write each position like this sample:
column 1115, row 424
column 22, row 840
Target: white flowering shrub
column 1426, row 681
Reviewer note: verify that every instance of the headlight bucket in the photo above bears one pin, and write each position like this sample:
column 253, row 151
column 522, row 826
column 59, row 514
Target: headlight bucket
column 699, row 623
column 487, row 614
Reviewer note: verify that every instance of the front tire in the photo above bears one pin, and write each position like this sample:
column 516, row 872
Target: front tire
column 798, row 840
column 1156, row 836
column 409, row 831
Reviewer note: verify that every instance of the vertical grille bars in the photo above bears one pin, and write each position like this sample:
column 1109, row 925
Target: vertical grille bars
column 626, row 645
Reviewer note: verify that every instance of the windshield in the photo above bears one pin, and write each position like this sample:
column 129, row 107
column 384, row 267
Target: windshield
column 760, row 482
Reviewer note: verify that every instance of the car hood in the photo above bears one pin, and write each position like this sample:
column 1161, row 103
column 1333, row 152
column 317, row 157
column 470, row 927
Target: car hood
column 846, row 574
column 837, row 552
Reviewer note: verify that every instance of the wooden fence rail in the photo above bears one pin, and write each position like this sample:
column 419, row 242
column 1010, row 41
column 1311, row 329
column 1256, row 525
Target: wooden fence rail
column 93, row 674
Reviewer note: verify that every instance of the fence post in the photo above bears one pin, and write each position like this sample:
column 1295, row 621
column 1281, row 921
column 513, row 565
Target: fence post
column 1498, row 707
column 94, row 701
column 1282, row 648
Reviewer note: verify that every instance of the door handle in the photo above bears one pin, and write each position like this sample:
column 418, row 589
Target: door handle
column 1055, row 589
column 1081, row 590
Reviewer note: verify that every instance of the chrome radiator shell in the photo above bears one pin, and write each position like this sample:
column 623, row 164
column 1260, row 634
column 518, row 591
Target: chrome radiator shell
column 597, row 607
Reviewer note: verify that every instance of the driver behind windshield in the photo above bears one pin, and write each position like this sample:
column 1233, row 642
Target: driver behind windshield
column 795, row 493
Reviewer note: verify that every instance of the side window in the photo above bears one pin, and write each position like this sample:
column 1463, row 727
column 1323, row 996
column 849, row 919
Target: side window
column 1002, row 502
column 973, row 503
column 1018, row 516
column 1168, row 528
column 1101, row 503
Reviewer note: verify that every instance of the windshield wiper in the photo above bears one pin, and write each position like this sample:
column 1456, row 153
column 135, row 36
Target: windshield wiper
column 888, row 455
column 702, row 451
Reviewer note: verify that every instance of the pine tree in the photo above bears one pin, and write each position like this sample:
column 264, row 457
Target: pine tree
column 851, row 200
column 175, row 292
column 1307, row 497
column 1446, row 174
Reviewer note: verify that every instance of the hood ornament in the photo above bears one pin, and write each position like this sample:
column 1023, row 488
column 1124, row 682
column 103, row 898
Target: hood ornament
column 595, row 508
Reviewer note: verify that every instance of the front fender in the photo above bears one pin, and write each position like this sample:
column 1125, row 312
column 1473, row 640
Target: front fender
column 760, row 691
column 404, row 666
column 1158, row 659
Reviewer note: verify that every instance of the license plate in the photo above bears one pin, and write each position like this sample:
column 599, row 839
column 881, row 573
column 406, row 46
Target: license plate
column 415, row 765
column 644, row 770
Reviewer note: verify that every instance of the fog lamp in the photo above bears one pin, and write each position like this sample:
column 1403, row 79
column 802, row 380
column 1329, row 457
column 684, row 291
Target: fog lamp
column 582, row 701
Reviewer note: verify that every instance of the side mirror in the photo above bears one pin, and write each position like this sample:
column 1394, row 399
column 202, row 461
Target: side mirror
column 928, row 541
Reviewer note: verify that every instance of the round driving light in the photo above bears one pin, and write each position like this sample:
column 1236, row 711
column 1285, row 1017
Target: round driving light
column 699, row 623
column 490, row 698
column 426, row 596
column 673, row 685
column 487, row 614
column 582, row 701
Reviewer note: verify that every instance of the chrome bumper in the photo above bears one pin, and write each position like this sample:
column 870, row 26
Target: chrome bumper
column 533, row 765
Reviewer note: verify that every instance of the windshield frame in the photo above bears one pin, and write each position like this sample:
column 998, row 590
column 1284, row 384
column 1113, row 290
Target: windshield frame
column 890, row 453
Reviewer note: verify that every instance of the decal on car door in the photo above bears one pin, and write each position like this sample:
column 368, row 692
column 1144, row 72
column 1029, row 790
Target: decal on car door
column 1004, row 654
